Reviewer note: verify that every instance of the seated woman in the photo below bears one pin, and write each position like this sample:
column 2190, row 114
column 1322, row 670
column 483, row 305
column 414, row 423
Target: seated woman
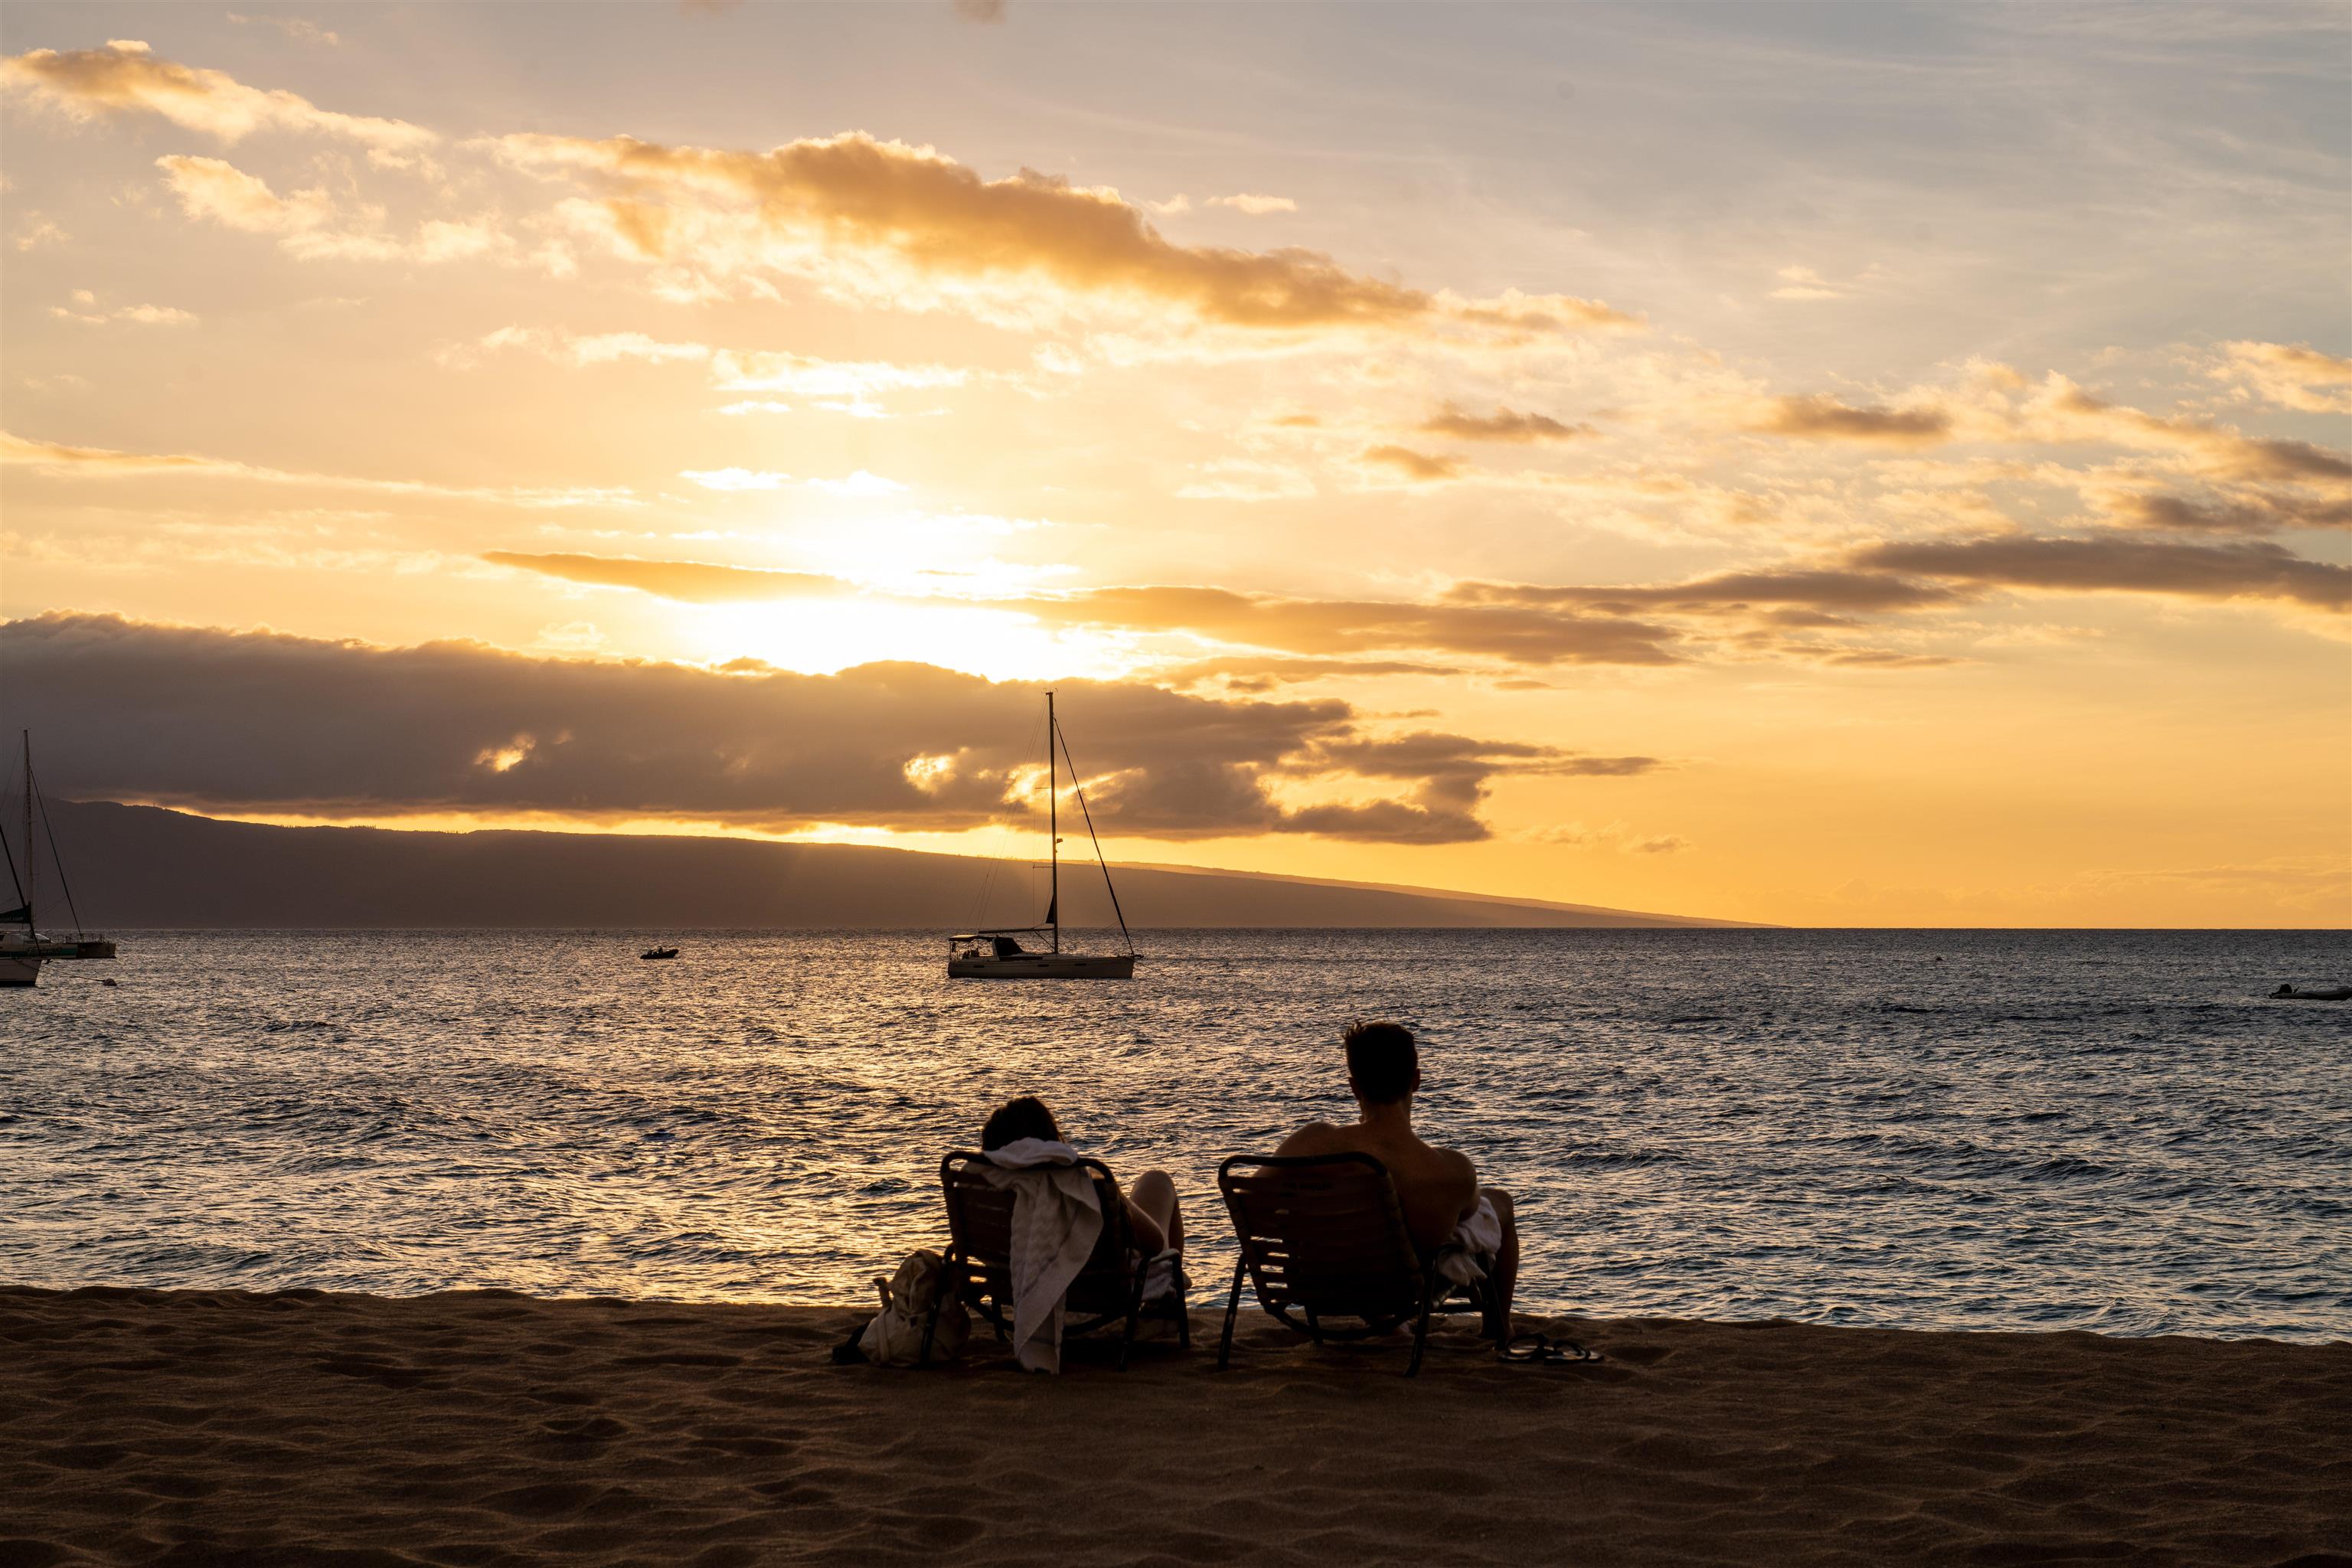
column 1151, row 1212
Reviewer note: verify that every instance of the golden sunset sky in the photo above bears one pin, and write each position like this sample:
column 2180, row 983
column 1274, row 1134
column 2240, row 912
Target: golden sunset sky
column 1831, row 465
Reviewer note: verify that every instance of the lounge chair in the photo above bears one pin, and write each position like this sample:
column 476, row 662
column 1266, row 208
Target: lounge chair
column 978, row 1272
column 1323, row 1236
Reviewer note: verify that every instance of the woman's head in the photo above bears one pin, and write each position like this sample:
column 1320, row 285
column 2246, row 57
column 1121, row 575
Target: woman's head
column 1018, row 1119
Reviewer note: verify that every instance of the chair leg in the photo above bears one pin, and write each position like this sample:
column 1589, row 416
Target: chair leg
column 1420, row 1333
column 1134, row 1317
column 1233, row 1309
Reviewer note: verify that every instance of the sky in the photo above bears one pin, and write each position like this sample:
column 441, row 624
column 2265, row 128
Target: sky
column 1841, row 464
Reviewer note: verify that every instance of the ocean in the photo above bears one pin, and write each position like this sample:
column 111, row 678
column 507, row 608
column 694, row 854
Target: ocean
column 1936, row 1129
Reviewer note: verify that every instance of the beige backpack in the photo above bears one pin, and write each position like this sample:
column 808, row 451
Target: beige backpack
column 894, row 1336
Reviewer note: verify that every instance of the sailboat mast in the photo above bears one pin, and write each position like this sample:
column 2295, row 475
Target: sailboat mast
column 1053, row 831
column 31, row 870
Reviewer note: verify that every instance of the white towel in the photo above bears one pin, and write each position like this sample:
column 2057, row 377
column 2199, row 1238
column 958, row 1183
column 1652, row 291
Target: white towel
column 1477, row 1237
column 1056, row 1220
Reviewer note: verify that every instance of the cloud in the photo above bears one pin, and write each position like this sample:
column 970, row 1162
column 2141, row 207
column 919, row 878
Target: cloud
column 1323, row 627
column 214, row 189
column 1257, row 206
column 1452, row 771
column 1414, row 465
column 18, row 451
column 217, row 191
column 258, row 721
column 2249, row 570
column 1246, row 480
column 36, row 231
column 127, row 78
column 2293, row 375
column 688, row 581
column 736, row 479
column 138, row 315
column 859, row 483
column 57, row 458
column 294, row 28
column 1317, row 628
column 1824, row 419
column 2249, row 511
column 846, row 386
column 1804, row 283
column 809, row 204
column 1266, row 673
column 1503, row 425
column 1664, row 844
column 2063, row 411
column 1829, row 590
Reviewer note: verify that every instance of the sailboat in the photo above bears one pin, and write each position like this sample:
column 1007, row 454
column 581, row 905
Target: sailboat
column 999, row 954
column 23, row 953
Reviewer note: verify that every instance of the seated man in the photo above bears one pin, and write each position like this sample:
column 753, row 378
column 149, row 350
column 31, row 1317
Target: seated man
column 1438, row 1188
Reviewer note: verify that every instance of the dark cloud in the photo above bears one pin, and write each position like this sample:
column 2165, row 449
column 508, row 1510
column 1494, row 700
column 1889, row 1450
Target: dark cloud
column 2251, row 512
column 1520, row 634
column 1810, row 591
column 1503, row 425
column 1451, row 771
column 1824, row 419
column 220, row 721
column 689, row 582
column 2249, row 570
column 1413, row 465
column 1250, row 674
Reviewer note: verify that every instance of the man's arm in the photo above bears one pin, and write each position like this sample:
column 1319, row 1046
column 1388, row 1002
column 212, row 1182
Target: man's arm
column 1455, row 1186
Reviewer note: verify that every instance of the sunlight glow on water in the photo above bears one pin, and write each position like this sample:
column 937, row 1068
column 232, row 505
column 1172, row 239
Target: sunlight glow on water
column 1984, row 1130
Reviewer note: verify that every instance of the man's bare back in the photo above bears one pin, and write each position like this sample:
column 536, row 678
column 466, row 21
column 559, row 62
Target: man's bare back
column 1437, row 1187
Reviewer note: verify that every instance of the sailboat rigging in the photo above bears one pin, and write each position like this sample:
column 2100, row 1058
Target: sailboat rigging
column 998, row 954
column 21, row 954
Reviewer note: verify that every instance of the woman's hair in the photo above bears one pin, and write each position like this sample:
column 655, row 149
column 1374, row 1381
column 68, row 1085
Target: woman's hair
column 1018, row 1119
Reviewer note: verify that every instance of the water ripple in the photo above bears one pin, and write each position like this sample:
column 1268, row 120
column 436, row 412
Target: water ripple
column 2118, row 1131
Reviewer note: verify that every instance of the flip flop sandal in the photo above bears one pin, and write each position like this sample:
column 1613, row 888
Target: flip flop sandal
column 1535, row 1347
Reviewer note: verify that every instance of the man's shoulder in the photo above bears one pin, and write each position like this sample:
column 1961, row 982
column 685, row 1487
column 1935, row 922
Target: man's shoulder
column 1315, row 1138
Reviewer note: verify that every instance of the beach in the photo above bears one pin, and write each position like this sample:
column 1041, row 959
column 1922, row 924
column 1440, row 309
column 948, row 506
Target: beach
column 186, row 1427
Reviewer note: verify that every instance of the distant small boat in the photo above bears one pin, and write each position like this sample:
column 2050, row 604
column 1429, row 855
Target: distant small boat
column 2314, row 994
column 660, row 953
column 1000, row 954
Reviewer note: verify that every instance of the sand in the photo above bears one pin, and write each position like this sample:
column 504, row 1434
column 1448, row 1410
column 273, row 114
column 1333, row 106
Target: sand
column 216, row 1427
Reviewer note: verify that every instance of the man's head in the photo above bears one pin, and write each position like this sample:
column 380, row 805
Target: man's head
column 1382, row 1065
column 1018, row 1119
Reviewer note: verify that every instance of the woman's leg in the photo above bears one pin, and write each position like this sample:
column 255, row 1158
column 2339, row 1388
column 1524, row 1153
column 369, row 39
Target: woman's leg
column 1152, row 1201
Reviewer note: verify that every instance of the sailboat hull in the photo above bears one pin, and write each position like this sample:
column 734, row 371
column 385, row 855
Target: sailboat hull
column 1044, row 966
column 16, row 971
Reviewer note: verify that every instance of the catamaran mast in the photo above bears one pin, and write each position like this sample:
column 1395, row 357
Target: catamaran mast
column 1053, row 833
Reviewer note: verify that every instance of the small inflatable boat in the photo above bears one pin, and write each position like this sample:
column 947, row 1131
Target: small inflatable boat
column 660, row 953
column 2314, row 994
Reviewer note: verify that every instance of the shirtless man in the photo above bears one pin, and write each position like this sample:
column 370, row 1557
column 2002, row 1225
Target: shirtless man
column 1438, row 1188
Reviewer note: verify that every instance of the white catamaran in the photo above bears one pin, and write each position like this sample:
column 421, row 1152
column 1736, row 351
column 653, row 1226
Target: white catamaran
column 998, row 954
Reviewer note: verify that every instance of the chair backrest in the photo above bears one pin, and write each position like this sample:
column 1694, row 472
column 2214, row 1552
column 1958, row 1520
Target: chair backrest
column 1322, row 1233
column 979, row 1226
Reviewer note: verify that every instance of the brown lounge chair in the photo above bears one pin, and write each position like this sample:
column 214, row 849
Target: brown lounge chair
column 1108, row 1289
column 1323, row 1236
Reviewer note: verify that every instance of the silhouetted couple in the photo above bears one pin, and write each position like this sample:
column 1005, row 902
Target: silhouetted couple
column 1437, row 1188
